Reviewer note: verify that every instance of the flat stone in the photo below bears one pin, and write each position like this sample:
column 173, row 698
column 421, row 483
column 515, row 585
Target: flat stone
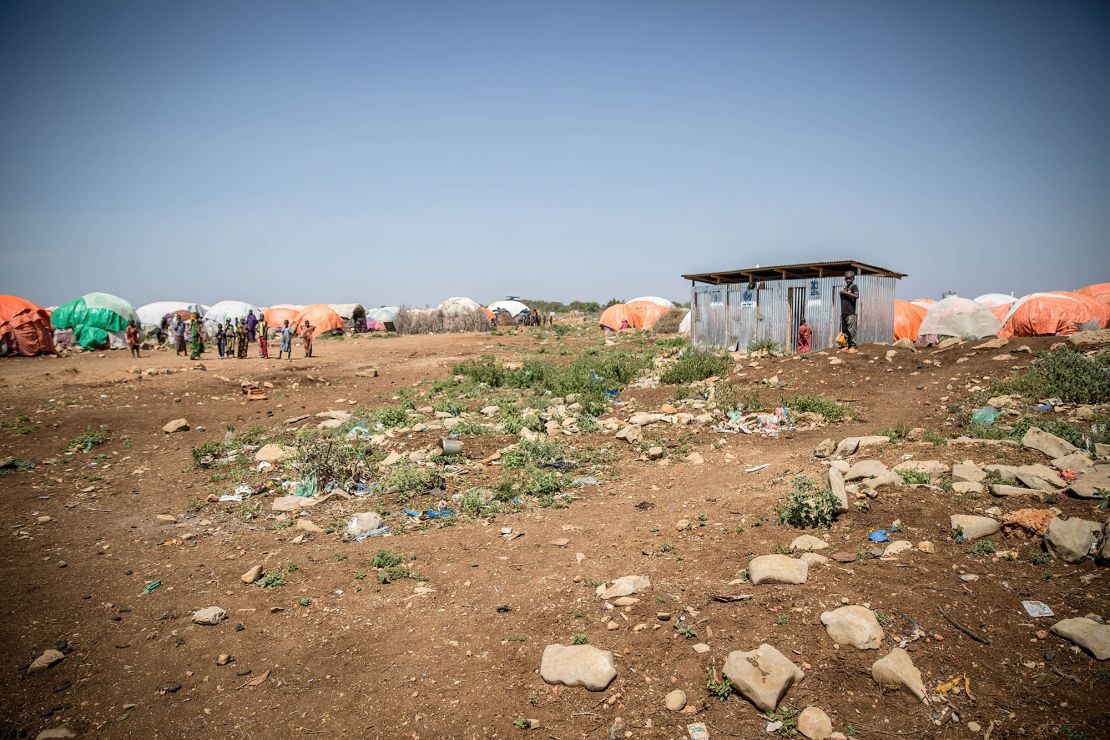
column 309, row 526
column 292, row 503
column 1049, row 444
column 329, row 424
column 701, row 648
column 560, row 542
column 334, row 415
column 851, row 445
column 694, row 458
column 1088, row 634
column 578, row 665
column 777, row 569
column 843, row 556
column 1102, row 557
column 48, row 659
column 934, row 469
column 966, row 487
column 825, row 449
column 252, row 575
column 762, row 676
column 815, row 724
column 896, row 670
column 836, row 484
column 625, row 601
column 1077, row 462
column 623, row 586
column 177, row 425
column 865, row 469
column 974, row 527
column 1089, row 484
column 675, row 700
column 813, row 558
column 1071, row 539
column 808, row 543
column 270, row 453
column 926, row 547
column 967, row 472
column 630, row 434
column 1040, row 476
column 853, row 625
column 166, row 519
column 654, row 453
column 898, row 546
column 55, row 733
column 209, row 615
column 682, row 525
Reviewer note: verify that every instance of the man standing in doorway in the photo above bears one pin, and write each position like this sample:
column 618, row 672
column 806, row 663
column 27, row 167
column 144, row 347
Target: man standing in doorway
column 849, row 321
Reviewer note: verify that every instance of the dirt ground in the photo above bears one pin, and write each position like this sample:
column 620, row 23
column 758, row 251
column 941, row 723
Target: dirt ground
column 364, row 659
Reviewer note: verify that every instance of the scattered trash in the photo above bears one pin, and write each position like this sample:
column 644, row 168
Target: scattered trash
column 382, row 531
column 150, row 587
column 985, row 416
column 429, row 513
column 731, row 598
column 1037, row 609
column 560, row 464
column 307, row 487
column 244, row 490
column 231, row 497
column 879, row 535
column 583, row 481
column 757, row 468
column 450, row 446
column 697, row 731
column 1044, row 407
column 262, row 465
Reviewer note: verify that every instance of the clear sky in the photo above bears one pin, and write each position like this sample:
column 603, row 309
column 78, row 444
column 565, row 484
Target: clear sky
column 407, row 151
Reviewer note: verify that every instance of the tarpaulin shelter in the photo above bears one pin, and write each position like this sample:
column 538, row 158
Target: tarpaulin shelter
column 25, row 328
column 924, row 302
column 460, row 306
column 959, row 317
column 353, row 314
column 514, row 308
column 615, row 318
column 1045, row 314
column 653, row 299
column 684, row 326
column 151, row 314
column 907, row 320
column 1099, row 291
column 994, row 300
column 323, row 318
column 276, row 316
column 97, row 320
column 1100, row 312
column 385, row 315
column 224, row 310
column 644, row 314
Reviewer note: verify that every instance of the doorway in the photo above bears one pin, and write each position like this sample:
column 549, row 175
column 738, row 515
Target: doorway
column 796, row 301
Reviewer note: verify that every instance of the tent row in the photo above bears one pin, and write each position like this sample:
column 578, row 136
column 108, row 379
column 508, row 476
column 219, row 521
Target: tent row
column 994, row 314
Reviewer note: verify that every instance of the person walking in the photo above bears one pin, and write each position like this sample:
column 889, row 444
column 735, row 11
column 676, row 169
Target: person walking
column 849, row 321
column 221, row 339
column 195, row 347
column 263, row 339
column 179, row 334
column 133, row 338
column 286, row 341
column 306, row 338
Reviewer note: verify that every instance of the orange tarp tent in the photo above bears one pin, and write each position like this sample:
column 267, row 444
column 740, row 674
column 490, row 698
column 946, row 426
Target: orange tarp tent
column 1099, row 291
column 1100, row 311
column 907, row 319
column 644, row 314
column 1041, row 314
column 615, row 318
column 322, row 317
column 275, row 317
column 25, row 327
column 1000, row 312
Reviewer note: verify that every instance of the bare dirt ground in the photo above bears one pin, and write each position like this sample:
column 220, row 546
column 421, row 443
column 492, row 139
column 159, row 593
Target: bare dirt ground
column 462, row 659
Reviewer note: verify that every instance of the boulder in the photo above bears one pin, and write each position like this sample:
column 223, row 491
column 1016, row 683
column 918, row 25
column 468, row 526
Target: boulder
column 209, row 616
column 623, row 586
column 1102, row 557
column 865, row 469
column 836, row 484
column 1089, row 484
column 1077, row 462
column 973, row 527
column 1002, row 490
column 177, row 425
column 270, row 453
column 1071, row 539
column 815, row 724
column 825, row 449
column 896, row 670
column 853, row 625
column 630, row 434
column 1092, row 636
column 851, row 445
column 777, row 569
column 1040, row 476
column 1048, row 444
column 814, row 558
column 966, row 487
column 932, row 468
column 808, row 543
column 762, row 676
column 967, row 472
column 578, row 665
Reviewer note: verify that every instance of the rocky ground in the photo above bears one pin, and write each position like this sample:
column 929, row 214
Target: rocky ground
column 651, row 567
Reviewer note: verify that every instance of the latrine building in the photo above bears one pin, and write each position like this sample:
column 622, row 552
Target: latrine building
column 734, row 308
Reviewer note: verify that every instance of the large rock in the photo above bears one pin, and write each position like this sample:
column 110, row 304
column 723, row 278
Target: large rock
column 1077, row 462
column 851, row 445
column 578, row 665
column 825, row 449
column 762, row 676
column 1089, row 484
column 815, row 724
column 967, row 472
column 1071, row 539
column 1040, row 476
column 808, row 543
column 896, row 670
column 623, row 586
column 836, row 484
column 865, row 469
column 777, row 569
column 934, row 469
column 1002, row 490
column 334, row 415
column 1087, row 634
column 252, row 575
column 177, row 425
column 46, row 660
column 209, row 615
column 270, row 453
column 1049, row 444
column 853, row 625
column 630, row 434
column 973, row 527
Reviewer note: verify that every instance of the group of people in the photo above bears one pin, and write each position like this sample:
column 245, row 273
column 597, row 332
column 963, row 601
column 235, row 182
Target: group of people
column 233, row 337
column 849, row 319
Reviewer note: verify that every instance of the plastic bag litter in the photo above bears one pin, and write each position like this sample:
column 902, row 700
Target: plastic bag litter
column 231, row 497
column 879, row 535
column 358, row 433
column 584, row 480
column 262, row 465
column 1037, row 609
column 429, row 513
column 985, row 416
column 307, row 487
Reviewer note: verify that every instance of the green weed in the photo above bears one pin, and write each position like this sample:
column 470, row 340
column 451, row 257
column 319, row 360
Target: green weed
column 695, row 365
column 912, row 476
column 809, row 505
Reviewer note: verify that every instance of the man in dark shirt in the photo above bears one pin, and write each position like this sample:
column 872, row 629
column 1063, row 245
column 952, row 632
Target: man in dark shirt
column 849, row 296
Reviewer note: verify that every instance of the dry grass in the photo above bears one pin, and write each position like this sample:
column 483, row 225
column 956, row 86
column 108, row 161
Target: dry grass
column 434, row 321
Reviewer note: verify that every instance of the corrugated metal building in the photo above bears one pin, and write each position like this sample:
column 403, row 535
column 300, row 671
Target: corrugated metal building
column 734, row 308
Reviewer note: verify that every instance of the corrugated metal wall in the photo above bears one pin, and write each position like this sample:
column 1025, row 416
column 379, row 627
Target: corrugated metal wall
column 728, row 315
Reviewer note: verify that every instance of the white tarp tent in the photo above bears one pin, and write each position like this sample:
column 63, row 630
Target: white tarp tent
column 225, row 310
column 959, row 317
column 653, row 299
column 459, row 306
column 515, row 308
column 994, row 300
column 684, row 327
column 150, row 315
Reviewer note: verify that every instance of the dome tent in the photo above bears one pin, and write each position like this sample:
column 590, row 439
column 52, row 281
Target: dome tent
column 1046, row 314
column 1099, row 291
column 151, row 314
column 458, row 306
column 276, row 316
column 644, row 314
column 224, row 310
column 615, row 318
column 907, row 320
column 514, row 308
column 994, row 300
column 384, row 315
column 684, row 327
column 25, row 328
column 1100, row 312
column 959, row 317
column 323, row 318
column 653, row 299
column 97, row 320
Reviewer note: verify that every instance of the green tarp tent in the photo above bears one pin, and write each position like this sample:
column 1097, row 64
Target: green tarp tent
column 94, row 316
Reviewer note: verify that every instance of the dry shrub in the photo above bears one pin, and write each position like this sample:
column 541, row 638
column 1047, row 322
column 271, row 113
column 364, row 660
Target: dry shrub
column 434, row 321
column 670, row 321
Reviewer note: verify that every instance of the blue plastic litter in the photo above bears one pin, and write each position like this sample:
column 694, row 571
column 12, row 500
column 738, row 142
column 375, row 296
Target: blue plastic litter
column 429, row 513
column 879, row 535
column 612, row 393
column 1044, row 407
column 985, row 416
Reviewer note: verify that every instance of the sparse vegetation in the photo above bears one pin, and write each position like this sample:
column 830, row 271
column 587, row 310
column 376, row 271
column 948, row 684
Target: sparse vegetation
column 810, row 403
column 271, row 580
column 89, row 439
column 392, row 566
column 579, row 638
column 763, row 345
column 685, row 630
column 897, row 433
column 982, row 549
column 1063, row 373
column 694, row 365
column 408, row 479
column 912, row 476
column 883, row 618
column 809, row 505
column 718, row 687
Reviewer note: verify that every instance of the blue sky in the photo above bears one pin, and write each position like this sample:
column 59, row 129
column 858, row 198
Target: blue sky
column 406, row 152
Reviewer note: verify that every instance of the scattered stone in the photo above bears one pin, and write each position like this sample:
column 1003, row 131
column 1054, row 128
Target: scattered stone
column 967, row 472
column 55, row 733
column 209, row 616
column 966, row 487
column 613, row 625
column 223, row 659
column 675, row 700
column 898, row 546
column 896, row 670
column 270, row 453
column 934, row 469
column 560, row 542
column 1049, row 444
column 1089, row 484
column 1071, row 540
column 578, row 665
column 836, row 484
column 973, row 527
column 777, row 569
column 630, row 434
column 843, row 556
column 623, row 586
column 654, row 453
column 309, row 526
column 926, row 547
column 814, row 558
column 701, row 648
column 808, row 543
column 625, row 601
column 814, row 723
column 762, row 676
column 682, row 525
column 166, row 519
column 694, row 458
column 1102, row 557
column 865, row 469
column 851, row 445
column 48, row 659
column 252, row 575
column 292, row 503
column 177, row 425
column 825, row 449
column 853, row 625
column 1087, row 634
column 1004, row 491
column 1077, row 462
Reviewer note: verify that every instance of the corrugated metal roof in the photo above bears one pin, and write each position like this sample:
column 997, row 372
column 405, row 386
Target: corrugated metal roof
column 795, row 271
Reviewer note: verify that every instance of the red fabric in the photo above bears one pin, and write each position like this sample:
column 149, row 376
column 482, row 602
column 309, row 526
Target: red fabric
column 25, row 326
